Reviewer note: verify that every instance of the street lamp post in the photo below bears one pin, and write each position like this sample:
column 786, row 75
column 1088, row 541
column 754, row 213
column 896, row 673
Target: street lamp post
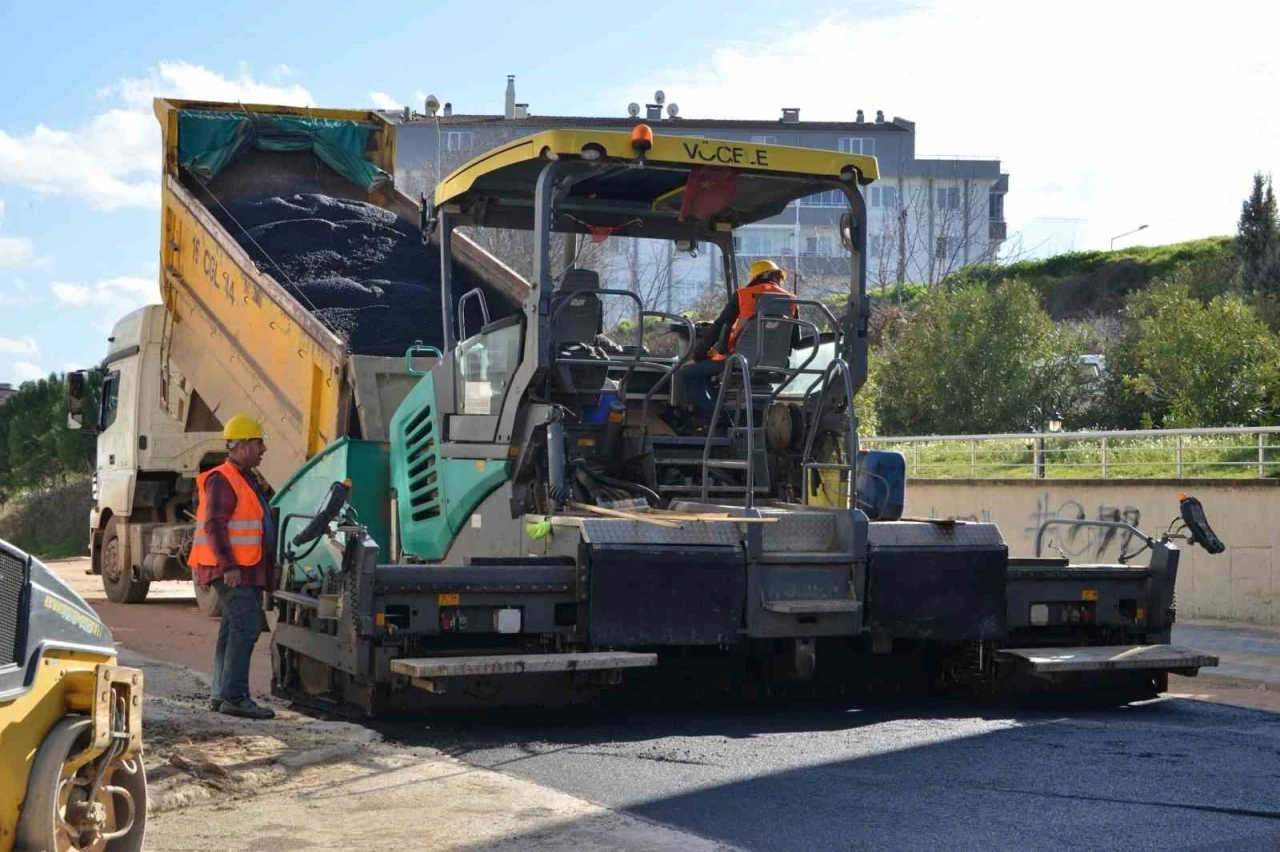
column 1125, row 234
column 1055, row 426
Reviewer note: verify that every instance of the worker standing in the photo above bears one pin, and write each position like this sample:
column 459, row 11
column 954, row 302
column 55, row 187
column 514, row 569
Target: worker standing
column 706, row 360
column 234, row 553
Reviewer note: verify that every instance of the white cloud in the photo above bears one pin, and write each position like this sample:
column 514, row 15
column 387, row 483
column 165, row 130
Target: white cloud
column 283, row 70
column 382, row 100
column 16, row 294
column 16, row 251
column 112, row 159
column 25, row 371
column 121, row 294
column 19, row 346
column 1114, row 112
column 77, row 295
column 186, row 81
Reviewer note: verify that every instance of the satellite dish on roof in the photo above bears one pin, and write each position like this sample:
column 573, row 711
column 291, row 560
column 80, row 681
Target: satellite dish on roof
column 659, row 97
column 672, row 110
column 633, row 109
column 432, row 104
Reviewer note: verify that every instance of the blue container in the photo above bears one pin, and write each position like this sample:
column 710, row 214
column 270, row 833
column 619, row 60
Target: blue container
column 594, row 415
column 882, row 484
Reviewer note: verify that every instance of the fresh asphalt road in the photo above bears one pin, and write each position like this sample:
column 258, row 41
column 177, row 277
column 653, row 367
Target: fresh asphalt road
column 1170, row 774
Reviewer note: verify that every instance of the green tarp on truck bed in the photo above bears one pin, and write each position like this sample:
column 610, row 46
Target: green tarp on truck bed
column 208, row 140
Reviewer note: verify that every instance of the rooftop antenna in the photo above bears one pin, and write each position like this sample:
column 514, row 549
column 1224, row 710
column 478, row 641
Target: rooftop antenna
column 633, row 109
column 673, row 110
column 659, row 97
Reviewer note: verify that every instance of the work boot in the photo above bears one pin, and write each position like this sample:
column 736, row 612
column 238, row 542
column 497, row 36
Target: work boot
column 215, row 704
column 245, row 708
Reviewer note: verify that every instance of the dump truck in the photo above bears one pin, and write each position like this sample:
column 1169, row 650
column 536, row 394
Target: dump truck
column 538, row 524
column 235, row 333
column 70, row 720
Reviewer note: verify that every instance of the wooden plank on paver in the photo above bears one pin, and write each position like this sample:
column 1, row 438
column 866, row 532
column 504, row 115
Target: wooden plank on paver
column 521, row 664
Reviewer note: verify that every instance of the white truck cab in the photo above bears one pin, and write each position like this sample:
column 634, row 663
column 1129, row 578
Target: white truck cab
column 155, row 436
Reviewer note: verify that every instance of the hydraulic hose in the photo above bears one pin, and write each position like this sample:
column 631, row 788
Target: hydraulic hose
column 648, row 494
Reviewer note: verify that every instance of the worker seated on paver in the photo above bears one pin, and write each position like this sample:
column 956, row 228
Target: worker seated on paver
column 695, row 379
column 234, row 553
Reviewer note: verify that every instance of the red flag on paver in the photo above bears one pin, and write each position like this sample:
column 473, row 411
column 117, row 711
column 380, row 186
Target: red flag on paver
column 708, row 191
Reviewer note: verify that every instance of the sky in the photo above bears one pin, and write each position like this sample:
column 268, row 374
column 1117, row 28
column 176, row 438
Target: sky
column 1107, row 114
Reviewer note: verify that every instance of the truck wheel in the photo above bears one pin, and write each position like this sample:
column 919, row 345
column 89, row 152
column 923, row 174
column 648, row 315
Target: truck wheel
column 207, row 600
column 120, row 585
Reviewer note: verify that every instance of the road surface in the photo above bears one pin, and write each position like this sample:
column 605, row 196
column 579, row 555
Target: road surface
column 1176, row 773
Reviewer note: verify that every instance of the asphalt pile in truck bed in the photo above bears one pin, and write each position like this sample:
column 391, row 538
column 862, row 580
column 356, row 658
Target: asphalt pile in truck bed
column 362, row 270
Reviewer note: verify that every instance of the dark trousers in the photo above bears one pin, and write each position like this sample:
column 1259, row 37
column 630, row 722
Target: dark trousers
column 242, row 621
column 695, row 385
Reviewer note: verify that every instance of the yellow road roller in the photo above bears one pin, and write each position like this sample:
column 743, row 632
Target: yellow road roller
column 71, row 774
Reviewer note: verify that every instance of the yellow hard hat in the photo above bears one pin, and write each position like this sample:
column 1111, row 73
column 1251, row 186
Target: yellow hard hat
column 764, row 267
column 242, row 427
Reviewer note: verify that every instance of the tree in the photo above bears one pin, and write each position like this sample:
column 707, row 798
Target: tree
column 976, row 359
column 1258, row 240
column 1182, row 363
column 36, row 447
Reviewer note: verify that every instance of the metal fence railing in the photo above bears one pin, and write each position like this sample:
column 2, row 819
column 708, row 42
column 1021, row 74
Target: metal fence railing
column 1228, row 453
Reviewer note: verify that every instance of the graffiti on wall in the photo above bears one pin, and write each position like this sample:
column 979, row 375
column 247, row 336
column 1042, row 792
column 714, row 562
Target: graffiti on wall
column 984, row 518
column 1082, row 541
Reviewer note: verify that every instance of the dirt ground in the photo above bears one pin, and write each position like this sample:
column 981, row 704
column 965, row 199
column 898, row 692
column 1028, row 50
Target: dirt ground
column 166, row 626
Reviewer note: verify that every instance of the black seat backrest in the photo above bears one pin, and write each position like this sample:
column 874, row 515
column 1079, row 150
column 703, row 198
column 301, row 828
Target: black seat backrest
column 582, row 318
column 777, row 335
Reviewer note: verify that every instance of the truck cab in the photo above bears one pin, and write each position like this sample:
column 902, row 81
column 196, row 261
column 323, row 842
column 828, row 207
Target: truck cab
column 155, row 435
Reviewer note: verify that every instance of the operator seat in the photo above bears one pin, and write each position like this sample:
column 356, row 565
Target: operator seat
column 578, row 319
column 774, row 354
column 582, row 318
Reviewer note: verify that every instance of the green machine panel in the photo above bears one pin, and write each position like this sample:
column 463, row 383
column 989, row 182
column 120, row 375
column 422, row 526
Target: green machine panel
column 436, row 495
column 366, row 464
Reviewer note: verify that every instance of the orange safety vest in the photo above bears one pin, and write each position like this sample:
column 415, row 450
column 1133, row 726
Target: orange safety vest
column 245, row 528
column 747, row 298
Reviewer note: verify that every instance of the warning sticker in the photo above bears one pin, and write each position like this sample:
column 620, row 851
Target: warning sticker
column 477, row 398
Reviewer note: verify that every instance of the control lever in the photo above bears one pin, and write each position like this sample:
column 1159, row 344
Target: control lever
column 339, row 493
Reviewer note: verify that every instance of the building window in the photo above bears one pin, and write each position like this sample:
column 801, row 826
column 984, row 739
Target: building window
column 765, row 140
column 751, row 245
column 459, row 140
column 881, row 243
column 830, row 198
column 941, row 250
column 949, row 198
column 857, row 145
column 997, row 206
column 818, row 246
column 884, row 196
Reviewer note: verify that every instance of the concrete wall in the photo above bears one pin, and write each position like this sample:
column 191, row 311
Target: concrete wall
column 1241, row 584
